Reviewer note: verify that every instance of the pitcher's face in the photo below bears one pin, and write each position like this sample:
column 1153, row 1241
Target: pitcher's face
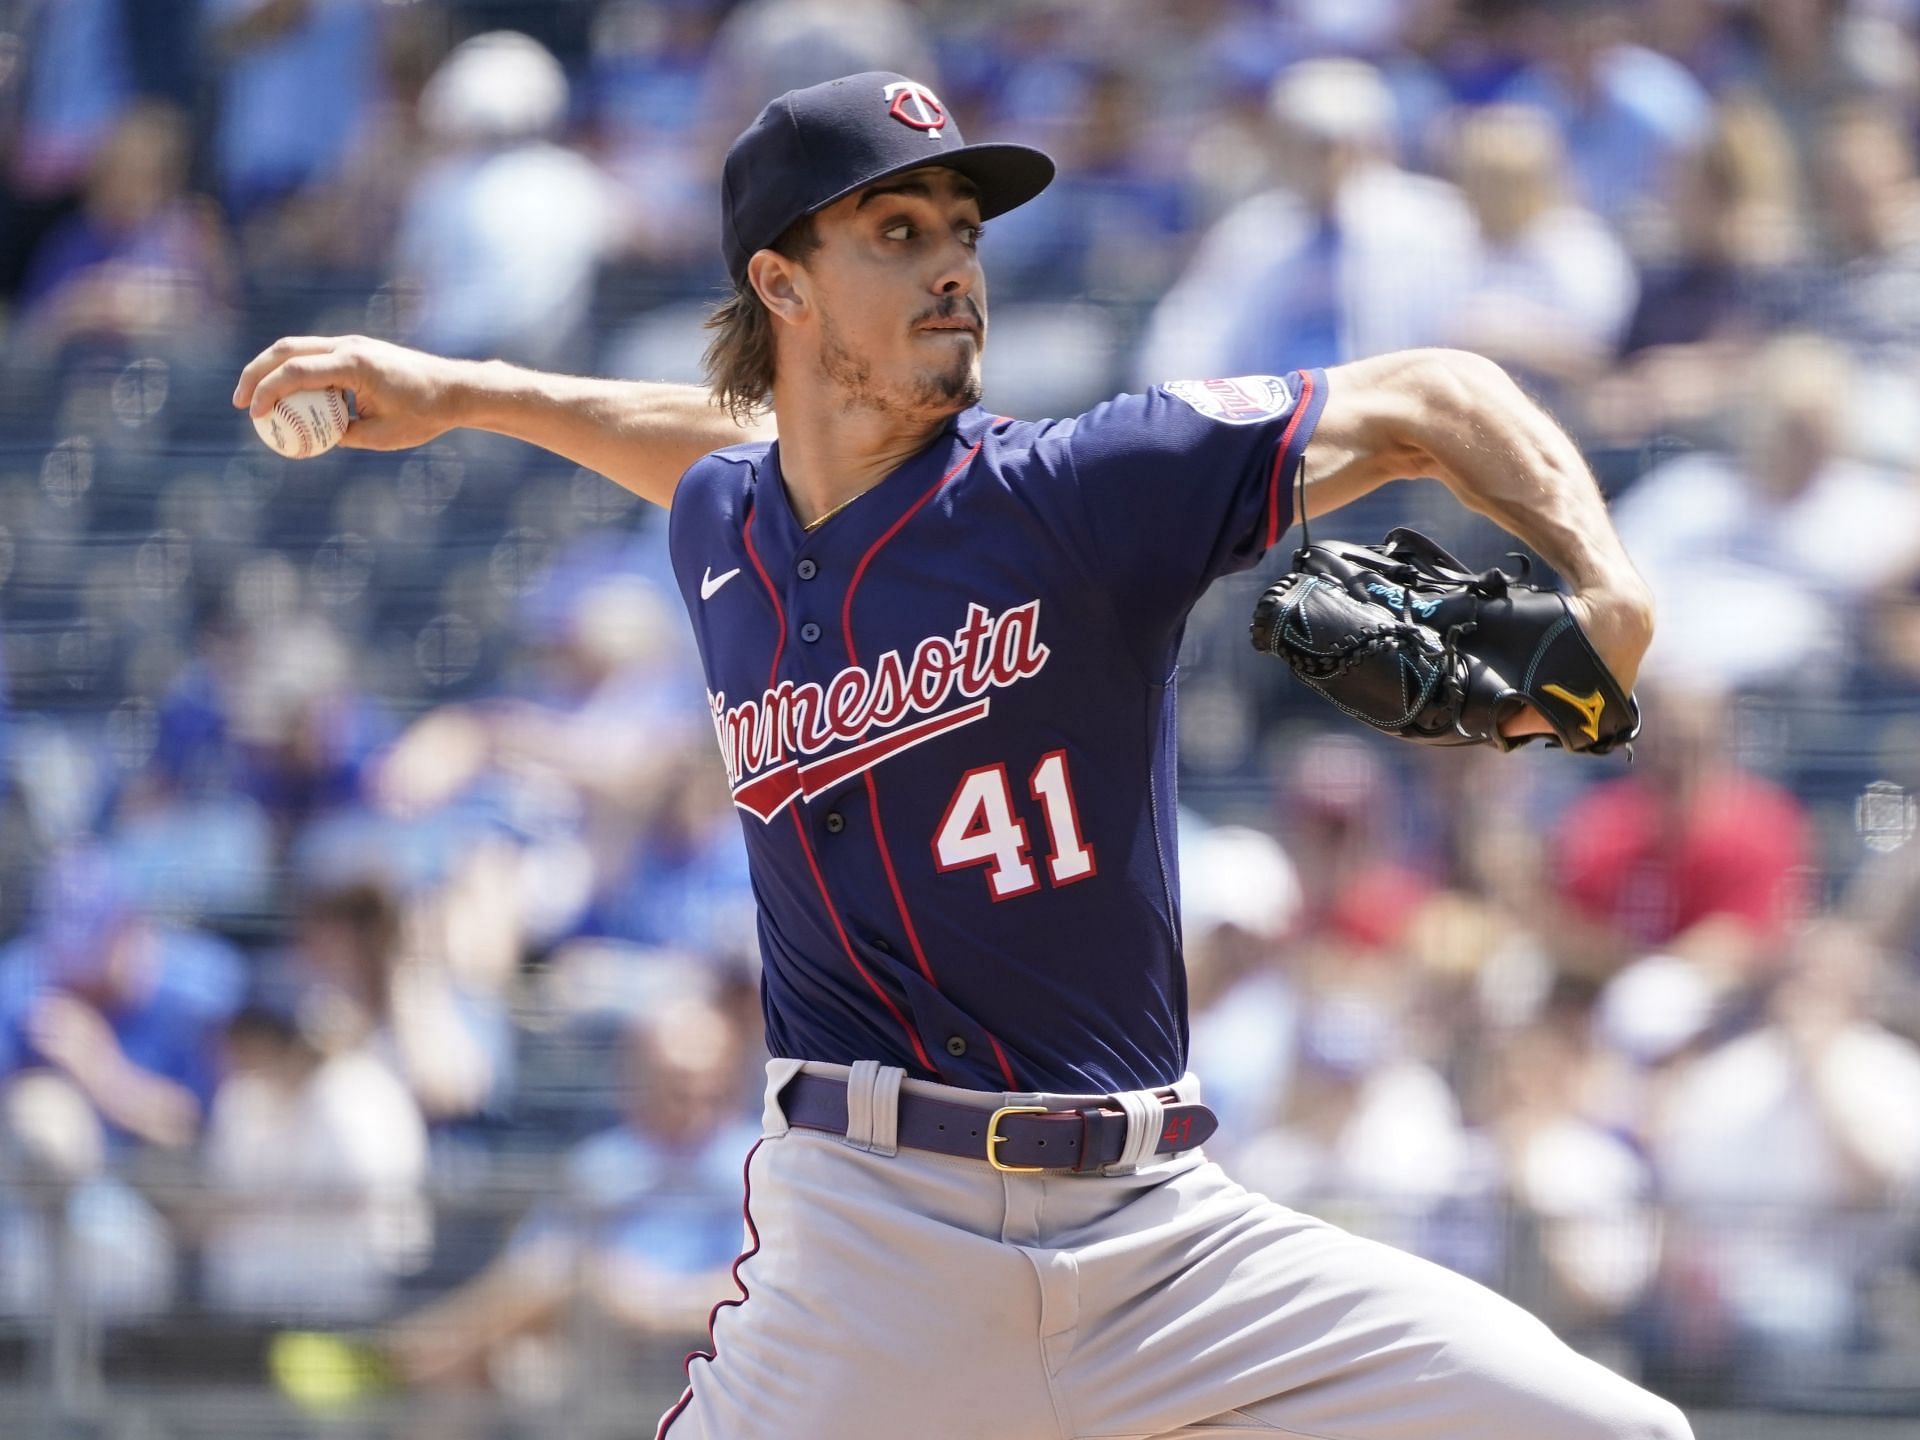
column 897, row 298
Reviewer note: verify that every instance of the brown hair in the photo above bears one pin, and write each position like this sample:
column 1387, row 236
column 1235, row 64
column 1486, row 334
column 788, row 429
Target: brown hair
column 739, row 359
column 366, row 909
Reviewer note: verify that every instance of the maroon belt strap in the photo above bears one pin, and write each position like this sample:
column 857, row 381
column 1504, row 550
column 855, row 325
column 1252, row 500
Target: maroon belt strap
column 1010, row 1138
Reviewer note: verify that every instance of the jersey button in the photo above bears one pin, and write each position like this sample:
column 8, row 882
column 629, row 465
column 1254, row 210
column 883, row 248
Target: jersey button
column 883, row 947
column 836, row 822
column 806, row 569
column 809, row 632
column 956, row 1046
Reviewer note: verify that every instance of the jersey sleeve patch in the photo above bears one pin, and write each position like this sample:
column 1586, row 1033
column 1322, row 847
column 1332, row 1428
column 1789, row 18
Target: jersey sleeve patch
column 1242, row 400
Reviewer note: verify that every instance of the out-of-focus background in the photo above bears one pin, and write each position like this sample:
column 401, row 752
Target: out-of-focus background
column 367, row 881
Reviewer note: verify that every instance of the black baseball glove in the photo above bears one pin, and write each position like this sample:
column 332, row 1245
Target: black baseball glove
column 1403, row 636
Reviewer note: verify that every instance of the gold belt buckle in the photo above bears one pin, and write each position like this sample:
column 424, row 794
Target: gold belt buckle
column 994, row 1137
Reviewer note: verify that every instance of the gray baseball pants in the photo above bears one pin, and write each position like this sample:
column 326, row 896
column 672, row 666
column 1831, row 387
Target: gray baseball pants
column 899, row 1295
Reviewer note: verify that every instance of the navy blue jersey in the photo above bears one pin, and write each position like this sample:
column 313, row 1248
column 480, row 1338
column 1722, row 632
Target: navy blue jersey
column 947, row 717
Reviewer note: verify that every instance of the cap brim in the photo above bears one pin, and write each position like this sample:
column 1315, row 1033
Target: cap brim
column 1007, row 176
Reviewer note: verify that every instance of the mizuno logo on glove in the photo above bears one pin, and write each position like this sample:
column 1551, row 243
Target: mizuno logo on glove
column 1589, row 706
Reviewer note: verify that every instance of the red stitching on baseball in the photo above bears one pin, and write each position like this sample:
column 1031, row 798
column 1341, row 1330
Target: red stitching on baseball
column 292, row 417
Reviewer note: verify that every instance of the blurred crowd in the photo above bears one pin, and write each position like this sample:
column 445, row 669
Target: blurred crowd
column 361, row 843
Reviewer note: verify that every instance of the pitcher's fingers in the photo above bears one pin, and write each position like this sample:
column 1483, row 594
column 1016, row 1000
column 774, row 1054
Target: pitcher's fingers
column 303, row 372
column 268, row 359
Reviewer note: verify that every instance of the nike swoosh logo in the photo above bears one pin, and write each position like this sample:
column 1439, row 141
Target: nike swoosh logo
column 710, row 583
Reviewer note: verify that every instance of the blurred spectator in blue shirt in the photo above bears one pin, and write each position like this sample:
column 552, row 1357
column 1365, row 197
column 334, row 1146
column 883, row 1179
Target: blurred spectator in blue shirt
column 1240, row 901
column 264, row 732
column 683, row 883
column 647, row 1222
column 142, row 260
column 1627, row 112
column 70, row 1229
column 504, row 232
column 1109, row 228
column 1368, row 1121
column 340, row 223
column 6, row 718
column 126, row 1010
column 1352, row 256
column 1763, row 555
column 1868, row 296
column 594, row 753
column 1586, row 1187
column 79, row 83
column 1550, row 287
column 651, row 107
column 1734, row 234
column 1728, row 266
column 296, row 80
column 767, row 47
column 1808, row 58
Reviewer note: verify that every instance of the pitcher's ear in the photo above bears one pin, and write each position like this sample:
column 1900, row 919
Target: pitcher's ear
column 780, row 283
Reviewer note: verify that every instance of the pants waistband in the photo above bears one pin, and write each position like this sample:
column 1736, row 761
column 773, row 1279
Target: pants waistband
column 877, row 1108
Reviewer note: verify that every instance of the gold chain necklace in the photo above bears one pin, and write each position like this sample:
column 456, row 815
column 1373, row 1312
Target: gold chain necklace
column 816, row 523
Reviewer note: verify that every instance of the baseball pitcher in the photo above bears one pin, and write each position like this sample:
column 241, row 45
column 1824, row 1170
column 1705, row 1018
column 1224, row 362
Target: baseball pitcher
column 939, row 647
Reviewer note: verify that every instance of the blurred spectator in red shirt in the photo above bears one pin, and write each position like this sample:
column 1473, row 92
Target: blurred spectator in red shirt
column 1688, row 852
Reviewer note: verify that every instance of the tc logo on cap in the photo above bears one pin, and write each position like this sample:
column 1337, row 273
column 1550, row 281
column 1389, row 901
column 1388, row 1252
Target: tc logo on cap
column 914, row 104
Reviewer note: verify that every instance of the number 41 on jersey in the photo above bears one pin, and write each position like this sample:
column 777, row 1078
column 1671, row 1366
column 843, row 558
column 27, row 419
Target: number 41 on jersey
column 981, row 828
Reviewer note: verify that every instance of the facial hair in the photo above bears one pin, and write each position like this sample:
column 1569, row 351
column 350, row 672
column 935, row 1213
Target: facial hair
column 954, row 386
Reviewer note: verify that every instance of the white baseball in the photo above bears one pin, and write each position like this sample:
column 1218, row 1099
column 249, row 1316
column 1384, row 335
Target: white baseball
column 304, row 424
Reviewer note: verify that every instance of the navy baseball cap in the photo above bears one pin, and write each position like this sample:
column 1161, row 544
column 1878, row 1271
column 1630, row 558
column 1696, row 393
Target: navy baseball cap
column 810, row 147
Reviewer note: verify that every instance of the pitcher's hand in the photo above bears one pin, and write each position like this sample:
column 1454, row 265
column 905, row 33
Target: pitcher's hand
column 401, row 397
column 1620, row 627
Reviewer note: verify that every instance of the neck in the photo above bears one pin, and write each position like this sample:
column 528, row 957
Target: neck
column 830, row 453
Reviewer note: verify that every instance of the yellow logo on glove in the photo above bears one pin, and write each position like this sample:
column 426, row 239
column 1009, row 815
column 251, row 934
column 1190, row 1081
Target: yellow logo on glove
column 1589, row 706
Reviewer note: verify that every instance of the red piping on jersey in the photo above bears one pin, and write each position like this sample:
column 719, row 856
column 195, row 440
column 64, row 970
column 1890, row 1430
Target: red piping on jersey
column 906, row 920
column 846, row 610
column 780, row 618
column 713, row 1346
column 873, row 793
column 893, row 880
column 1280, row 459
column 919, row 1050
column 779, row 611
column 1006, row 1070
